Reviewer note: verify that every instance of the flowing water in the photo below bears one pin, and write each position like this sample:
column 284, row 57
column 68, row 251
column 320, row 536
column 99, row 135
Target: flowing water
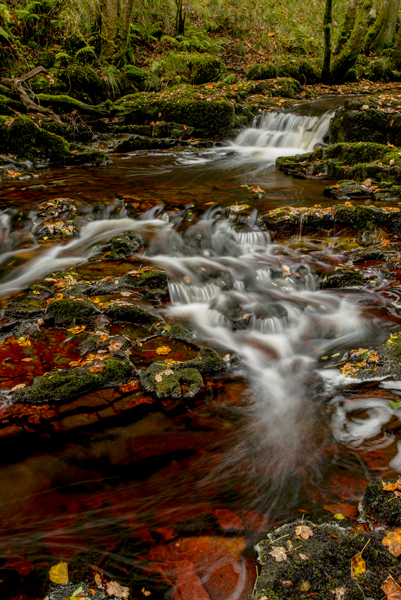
column 280, row 434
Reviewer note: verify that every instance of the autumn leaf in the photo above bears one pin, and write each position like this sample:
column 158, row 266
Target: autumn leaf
column 23, row 342
column 304, row 532
column 26, row 359
column 358, row 565
column 279, row 553
column 187, row 279
column 20, row 386
column 97, row 367
column 75, row 363
column 286, row 269
column 115, row 345
column 390, row 487
column 348, row 204
column 393, row 541
column 130, row 386
column 303, row 557
column 77, row 329
column 114, row 589
column 162, row 350
column 367, row 183
column 59, row 573
column 391, row 589
column 257, row 190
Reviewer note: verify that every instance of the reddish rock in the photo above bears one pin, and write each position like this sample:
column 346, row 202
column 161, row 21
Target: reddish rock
column 134, row 400
column 75, row 421
column 228, row 520
column 10, row 431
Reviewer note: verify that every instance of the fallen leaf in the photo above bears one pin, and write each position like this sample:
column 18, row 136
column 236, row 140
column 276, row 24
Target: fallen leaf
column 114, row 589
column 391, row 588
column 304, row 586
column 303, row 557
column 20, row 386
column 348, row 204
column 390, row 487
column 286, row 269
column 393, row 541
column 187, row 279
column 358, row 565
column 367, row 183
column 126, row 294
column 304, row 532
column 59, row 573
column 26, row 359
column 162, row 350
column 158, row 378
column 97, row 367
column 98, row 579
column 115, row 345
column 23, row 342
column 77, row 329
column 278, row 553
column 145, row 592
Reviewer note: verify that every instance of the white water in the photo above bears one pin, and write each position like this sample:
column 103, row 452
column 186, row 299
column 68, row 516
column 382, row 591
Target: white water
column 282, row 134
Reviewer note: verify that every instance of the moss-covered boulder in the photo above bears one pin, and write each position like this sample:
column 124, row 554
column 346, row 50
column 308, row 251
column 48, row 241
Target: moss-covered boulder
column 129, row 313
column 209, row 116
column 61, row 387
column 357, row 161
column 204, row 68
column 343, row 278
column 380, row 506
column 298, row 68
column 166, row 381
column 136, row 143
column 207, row 361
column 71, row 312
column 367, row 120
column 320, row 566
column 64, row 104
column 122, row 246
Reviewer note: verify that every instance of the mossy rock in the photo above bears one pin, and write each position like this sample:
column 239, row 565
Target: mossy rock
column 131, row 314
column 259, row 72
column 151, row 279
column 138, row 142
column 64, row 104
column 207, row 360
column 61, row 387
column 145, row 81
column 123, row 246
column 204, row 68
column 23, row 138
column 343, row 278
column 85, row 82
column 327, row 567
column 300, row 69
column 71, row 312
column 165, row 380
column 381, row 506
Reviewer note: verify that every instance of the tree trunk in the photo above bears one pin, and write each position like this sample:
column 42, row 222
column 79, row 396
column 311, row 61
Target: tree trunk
column 115, row 24
column 397, row 51
column 179, row 19
column 349, row 54
column 386, row 32
column 327, row 24
column 348, row 25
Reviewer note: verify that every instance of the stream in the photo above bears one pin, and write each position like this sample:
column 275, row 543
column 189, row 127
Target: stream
column 184, row 496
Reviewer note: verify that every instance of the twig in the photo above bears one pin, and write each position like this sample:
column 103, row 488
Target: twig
column 253, row 49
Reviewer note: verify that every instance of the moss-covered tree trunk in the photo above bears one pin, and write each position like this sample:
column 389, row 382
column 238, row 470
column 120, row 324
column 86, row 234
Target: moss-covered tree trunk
column 348, row 25
column 349, row 54
column 382, row 32
column 397, row 51
column 327, row 24
column 115, row 24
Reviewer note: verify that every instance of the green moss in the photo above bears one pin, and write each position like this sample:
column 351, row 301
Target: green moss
column 85, row 82
column 65, row 104
column 377, row 507
column 165, row 380
column 71, row 312
column 204, row 68
column 144, row 80
column 64, row 386
column 207, row 360
column 343, row 278
column 193, row 379
column 299, row 68
column 258, row 72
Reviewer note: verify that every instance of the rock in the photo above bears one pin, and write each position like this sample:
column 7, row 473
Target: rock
column 138, row 142
column 348, row 190
column 165, row 380
column 300, row 69
column 131, row 314
column 123, row 246
column 343, row 278
column 366, row 237
column 71, row 312
column 60, row 387
column 321, row 565
column 204, row 68
column 381, row 506
column 206, row 361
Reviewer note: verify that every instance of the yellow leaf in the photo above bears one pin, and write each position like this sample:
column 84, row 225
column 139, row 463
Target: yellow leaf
column 358, row 565
column 77, row 329
column 59, row 573
column 162, row 350
column 390, row 487
column 393, row 541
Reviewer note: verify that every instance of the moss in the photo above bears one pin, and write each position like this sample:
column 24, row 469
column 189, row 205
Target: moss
column 204, row 68
column 191, row 378
column 65, row 104
column 327, row 568
column 153, row 279
column 53, row 147
column 71, row 312
column 377, row 507
column 64, row 386
column 144, row 80
column 171, row 380
column 130, row 314
column 123, row 246
column 85, row 82
column 180, row 333
column 258, row 72
column 207, row 360
column 8, row 106
column 299, row 68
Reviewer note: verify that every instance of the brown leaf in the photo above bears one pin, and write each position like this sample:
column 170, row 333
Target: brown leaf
column 115, row 345
column 114, row 589
column 304, row 532
column 391, row 589
column 97, row 367
column 393, row 541
column 278, row 553
column 367, row 183
column 187, row 279
column 303, row 557
column 159, row 378
column 286, row 269
column 304, row 586
column 20, row 386
column 98, row 579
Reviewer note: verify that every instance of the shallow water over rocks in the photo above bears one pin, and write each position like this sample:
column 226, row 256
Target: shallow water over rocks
column 157, row 491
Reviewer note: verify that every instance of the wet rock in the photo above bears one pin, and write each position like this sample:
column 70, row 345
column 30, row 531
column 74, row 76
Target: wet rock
column 381, row 506
column 55, row 219
column 207, row 361
column 60, row 387
column 348, row 190
column 137, row 142
column 123, row 246
column 71, row 312
column 151, row 282
column 321, row 565
column 179, row 333
column 343, row 278
column 165, row 380
column 22, row 308
column 124, row 311
column 366, row 237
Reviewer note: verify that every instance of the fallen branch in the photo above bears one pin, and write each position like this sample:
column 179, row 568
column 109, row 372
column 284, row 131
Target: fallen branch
column 253, row 49
column 15, row 85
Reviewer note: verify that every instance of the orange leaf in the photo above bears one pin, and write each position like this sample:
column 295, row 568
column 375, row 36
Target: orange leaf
column 162, row 350
column 391, row 589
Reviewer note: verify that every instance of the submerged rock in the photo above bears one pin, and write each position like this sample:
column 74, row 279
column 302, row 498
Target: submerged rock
column 321, row 565
column 123, row 246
